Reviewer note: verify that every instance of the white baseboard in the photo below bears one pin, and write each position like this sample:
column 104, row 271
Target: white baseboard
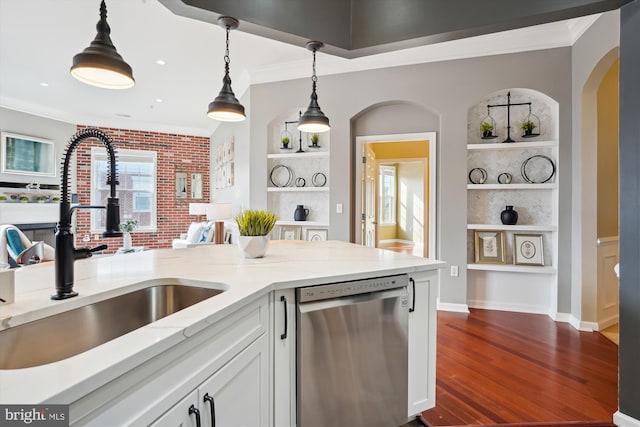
column 608, row 322
column 406, row 242
column 582, row 326
column 448, row 306
column 562, row 317
column 623, row 420
column 518, row 308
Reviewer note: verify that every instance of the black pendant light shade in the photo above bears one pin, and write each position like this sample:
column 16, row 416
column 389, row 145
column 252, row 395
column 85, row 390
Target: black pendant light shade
column 313, row 120
column 226, row 106
column 100, row 64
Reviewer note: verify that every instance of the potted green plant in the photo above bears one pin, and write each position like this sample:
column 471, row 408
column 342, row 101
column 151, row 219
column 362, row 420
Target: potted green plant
column 3, row 198
column 314, row 139
column 55, row 199
column 487, row 129
column 285, row 142
column 41, row 199
column 127, row 227
column 527, row 127
column 24, row 199
column 254, row 227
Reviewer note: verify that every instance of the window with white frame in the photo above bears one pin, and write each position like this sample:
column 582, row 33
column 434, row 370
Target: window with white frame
column 137, row 172
column 387, row 202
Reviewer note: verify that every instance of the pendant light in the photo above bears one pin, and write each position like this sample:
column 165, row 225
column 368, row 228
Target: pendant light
column 226, row 106
column 100, row 64
column 313, row 120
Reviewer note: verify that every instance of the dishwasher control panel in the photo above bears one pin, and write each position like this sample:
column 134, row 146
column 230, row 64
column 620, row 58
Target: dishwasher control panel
column 355, row 287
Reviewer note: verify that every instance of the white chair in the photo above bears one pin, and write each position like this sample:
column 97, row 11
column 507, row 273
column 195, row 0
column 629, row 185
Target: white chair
column 199, row 233
column 16, row 249
column 203, row 233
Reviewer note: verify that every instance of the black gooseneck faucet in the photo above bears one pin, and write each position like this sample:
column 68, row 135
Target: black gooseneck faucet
column 66, row 252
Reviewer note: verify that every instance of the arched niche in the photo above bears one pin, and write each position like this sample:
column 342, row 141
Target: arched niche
column 512, row 284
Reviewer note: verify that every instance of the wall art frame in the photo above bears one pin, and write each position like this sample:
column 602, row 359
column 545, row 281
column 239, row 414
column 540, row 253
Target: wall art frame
column 290, row 232
column 181, row 185
column 196, row 186
column 27, row 155
column 317, row 234
column 528, row 249
column 489, row 247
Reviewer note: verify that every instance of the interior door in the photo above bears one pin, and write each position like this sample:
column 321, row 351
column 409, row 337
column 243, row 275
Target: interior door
column 369, row 232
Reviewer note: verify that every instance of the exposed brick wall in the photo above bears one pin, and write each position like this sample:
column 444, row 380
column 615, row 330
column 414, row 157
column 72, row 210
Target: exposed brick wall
column 175, row 153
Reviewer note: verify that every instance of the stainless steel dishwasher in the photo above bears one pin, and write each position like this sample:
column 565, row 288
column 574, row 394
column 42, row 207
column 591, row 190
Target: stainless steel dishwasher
column 352, row 353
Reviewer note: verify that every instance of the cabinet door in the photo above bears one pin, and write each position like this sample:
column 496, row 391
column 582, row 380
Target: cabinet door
column 238, row 393
column 181, row 414
column 422, row 342
column 284, row 358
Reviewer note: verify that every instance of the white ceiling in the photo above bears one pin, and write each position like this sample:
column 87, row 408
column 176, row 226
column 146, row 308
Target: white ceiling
column 38, row 39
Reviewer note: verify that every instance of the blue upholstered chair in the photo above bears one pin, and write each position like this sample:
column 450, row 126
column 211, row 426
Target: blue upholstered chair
column 16, row 249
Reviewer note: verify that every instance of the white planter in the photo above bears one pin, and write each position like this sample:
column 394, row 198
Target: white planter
column 253, row 246
column 127, row 244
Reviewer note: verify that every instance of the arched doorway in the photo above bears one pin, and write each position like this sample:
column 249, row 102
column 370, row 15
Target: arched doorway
column 398, row 129
column 594, row 301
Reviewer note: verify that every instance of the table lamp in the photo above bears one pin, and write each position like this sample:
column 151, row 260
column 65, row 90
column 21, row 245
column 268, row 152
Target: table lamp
column 218, row 212
column 198, row 209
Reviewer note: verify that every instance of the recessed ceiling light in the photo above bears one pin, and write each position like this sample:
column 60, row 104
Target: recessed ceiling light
column 160, row 62
column 44, row 84
column 123, row 115
column 158, row 100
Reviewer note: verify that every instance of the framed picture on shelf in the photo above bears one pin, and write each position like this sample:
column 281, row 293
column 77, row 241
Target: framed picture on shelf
column 527, row 249
column 290, row 232
column 489, row 247
column 317, row 234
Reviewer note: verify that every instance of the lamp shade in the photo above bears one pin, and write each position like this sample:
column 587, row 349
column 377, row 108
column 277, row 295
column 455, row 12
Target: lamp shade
column 216, row 211
column 198, row 208
column 313, row 120
column 226, row 107
column 100, row 64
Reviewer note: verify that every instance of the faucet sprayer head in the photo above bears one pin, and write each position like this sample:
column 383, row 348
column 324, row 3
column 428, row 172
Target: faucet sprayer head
column 113, row 218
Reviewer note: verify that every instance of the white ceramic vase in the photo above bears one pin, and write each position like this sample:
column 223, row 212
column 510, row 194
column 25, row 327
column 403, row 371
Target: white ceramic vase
column 127, row 244
column 253, row 246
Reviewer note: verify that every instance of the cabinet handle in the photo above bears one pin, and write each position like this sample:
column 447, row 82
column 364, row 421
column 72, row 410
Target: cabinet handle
column 194, row 410
column 413, row 299
column 209, row 399
column 283, row 336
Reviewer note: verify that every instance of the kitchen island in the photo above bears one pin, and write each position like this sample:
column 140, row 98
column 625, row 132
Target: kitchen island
column 115, row 377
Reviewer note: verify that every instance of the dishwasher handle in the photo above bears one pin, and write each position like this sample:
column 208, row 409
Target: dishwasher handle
column 413, row 295
column 283, row 336
column 307, row 307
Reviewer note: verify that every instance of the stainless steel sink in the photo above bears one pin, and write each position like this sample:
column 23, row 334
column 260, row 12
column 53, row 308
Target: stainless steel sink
column 72, row 332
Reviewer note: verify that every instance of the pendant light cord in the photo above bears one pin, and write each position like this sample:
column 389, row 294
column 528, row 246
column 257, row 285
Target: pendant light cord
column 314, row 78
column 226, row 54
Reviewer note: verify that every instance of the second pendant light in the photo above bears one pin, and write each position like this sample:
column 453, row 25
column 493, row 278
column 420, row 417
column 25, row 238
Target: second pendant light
column 226, row 106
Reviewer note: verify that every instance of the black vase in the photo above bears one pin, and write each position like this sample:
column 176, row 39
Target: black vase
column 509, row 216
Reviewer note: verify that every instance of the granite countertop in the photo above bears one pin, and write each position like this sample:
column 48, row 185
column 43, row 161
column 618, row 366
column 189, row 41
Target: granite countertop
column 288, row 264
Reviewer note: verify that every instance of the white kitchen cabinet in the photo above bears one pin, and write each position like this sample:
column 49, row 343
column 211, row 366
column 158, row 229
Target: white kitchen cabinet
column 422, row 341
column 236, row 395
column 232, row 354
column 181, row 414
column 284, row 357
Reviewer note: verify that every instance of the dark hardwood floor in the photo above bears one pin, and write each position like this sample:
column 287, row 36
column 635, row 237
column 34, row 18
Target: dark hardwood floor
column 497, row 367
